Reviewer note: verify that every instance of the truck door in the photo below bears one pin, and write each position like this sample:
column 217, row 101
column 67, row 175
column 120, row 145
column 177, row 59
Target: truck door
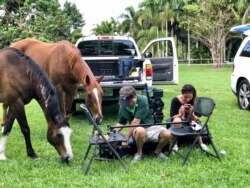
column 163, row 56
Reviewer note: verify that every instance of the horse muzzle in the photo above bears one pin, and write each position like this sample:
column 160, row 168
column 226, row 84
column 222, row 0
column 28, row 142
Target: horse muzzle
column 66, row 159
column 98, row 119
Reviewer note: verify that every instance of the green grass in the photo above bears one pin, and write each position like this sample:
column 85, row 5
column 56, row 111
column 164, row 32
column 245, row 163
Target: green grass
column 229, row 127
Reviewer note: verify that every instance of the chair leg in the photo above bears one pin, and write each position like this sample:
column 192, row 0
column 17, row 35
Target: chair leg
column 190, row 150
column 91, row 160
column 85, row 157
column 171, row 147
column 118, row 156
column 215, row 151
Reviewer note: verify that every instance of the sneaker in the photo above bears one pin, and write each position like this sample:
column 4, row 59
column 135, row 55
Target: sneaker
column 137, row 158
column 204, row 147
column 161, row 156
column 175, row 148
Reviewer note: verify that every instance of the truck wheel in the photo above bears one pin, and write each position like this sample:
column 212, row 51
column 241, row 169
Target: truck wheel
column 243, row 95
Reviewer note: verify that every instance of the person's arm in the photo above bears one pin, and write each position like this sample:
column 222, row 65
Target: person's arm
column 176, row 109
column 121, row 123
column 121, row 126
column 179, row 115
column 130, row 131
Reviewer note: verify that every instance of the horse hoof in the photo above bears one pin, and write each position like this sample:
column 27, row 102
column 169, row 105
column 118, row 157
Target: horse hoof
column 36, row 158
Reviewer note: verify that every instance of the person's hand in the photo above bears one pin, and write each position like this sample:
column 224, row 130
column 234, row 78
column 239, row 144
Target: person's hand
column 182, row 110
column 124, row 145
column 188, row 108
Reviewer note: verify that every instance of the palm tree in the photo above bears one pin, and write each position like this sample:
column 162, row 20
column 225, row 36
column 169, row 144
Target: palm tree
column 129, row 25
column 106, row 28
column 149, row 21
column 243, row 7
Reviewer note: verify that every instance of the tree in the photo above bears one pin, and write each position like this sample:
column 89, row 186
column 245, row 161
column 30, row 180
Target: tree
column 41, row 19
column 129, row 25
column 106, row 28
column 75, row 19
column 242, row 10
column 149, row 21
column 209, row 22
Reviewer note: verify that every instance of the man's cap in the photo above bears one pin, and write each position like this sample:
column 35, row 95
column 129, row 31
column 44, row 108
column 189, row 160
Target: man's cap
column 125, row 100
column 126, row 94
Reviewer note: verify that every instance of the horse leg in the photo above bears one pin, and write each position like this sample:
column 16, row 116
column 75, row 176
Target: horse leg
column 7, row 129
column 19, row 113
column 69, row 97
column 5, row 108
column 61, row 97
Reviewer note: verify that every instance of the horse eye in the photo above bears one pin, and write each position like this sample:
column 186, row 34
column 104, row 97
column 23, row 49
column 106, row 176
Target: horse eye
column 59, row 135
column 89, row 96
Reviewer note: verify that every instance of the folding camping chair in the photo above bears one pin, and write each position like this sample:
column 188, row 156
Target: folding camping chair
column 98, row 138
column 204, row 106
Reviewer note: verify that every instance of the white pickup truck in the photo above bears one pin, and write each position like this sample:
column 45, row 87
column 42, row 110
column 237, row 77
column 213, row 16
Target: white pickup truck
column 119, row 59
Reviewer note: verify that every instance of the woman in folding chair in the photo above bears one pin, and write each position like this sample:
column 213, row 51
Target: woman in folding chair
column 134, row 108
column 181, row 109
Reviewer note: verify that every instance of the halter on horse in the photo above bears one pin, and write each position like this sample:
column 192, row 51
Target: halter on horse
column 27, row 82
column 64, row 65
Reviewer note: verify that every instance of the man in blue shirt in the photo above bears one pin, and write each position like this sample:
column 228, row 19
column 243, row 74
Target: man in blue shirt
column 134, row 109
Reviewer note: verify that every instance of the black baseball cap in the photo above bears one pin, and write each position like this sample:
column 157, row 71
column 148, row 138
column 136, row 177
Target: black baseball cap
column 125, row 100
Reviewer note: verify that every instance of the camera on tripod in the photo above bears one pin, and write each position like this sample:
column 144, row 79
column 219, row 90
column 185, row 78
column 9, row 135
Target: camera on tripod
column 156, row 105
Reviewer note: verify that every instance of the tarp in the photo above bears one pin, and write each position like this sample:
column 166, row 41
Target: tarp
column 240, row 28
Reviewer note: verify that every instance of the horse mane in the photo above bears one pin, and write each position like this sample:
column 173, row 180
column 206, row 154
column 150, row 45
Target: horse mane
column 78, row 66
column 46, row 91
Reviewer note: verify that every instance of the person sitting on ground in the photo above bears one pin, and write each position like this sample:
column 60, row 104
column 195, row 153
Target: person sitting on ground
column 181, row 109
column 134, row 109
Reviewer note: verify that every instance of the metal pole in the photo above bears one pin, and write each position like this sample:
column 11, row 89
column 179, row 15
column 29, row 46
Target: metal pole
column 188, row 45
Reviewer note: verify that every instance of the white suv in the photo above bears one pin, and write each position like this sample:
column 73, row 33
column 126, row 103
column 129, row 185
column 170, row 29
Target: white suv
column 240, row 77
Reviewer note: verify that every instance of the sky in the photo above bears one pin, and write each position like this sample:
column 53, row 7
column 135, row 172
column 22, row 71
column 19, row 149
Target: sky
column 96, row 11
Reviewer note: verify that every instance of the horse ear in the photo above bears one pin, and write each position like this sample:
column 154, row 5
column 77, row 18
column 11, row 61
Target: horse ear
column 100, row 79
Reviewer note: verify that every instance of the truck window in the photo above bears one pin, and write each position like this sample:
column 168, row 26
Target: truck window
column 124, row 48
column 107, row 48
column 88, row 48
column 161, row 49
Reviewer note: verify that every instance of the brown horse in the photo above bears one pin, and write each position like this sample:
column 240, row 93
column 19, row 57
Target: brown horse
column 64, row 65
column 22, row 80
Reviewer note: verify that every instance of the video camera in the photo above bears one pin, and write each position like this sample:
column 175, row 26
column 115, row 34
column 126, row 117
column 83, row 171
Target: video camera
column 156, row 105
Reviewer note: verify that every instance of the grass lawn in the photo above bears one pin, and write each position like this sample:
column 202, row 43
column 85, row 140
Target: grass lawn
column 229, row 127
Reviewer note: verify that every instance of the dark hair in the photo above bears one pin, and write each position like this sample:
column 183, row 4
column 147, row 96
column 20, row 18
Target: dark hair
column 188, row 88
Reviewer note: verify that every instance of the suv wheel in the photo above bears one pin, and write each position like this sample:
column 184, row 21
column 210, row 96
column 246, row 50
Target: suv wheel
column 243, row 95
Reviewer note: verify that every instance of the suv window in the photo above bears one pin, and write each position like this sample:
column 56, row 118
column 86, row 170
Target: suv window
column 246, row 50
column 107, row 48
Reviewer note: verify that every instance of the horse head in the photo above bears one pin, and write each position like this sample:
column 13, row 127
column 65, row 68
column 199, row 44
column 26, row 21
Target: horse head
column 58, row 136
column 93, row 98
